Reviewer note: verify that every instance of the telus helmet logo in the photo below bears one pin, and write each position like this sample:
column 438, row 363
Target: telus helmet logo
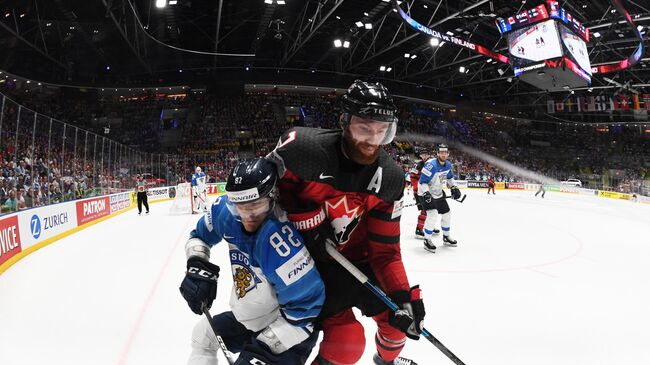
column 35, row 226
column 376, row 111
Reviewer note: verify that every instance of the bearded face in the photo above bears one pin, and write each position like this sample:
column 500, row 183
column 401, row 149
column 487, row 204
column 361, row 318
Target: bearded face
column 363, row 139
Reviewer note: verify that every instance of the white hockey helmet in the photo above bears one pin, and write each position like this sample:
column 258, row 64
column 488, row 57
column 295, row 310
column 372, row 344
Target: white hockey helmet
column 198, row 169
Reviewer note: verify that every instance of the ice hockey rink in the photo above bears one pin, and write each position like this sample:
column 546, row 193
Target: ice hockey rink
column 560, row 280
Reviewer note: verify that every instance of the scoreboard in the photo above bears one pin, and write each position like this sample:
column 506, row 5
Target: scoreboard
column 548, row 47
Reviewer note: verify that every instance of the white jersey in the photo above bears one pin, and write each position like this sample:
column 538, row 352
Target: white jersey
column 434, row 176
column 199, row 181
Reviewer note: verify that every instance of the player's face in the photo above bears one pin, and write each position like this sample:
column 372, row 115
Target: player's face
column 365, row 137
column 443, row 155
column 254, row 213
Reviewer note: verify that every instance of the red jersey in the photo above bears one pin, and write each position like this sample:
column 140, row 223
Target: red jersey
column 490, row 181
column 362, row 202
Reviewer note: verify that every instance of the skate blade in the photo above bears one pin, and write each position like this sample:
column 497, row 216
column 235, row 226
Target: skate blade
column 432, row 250
column 449, row 244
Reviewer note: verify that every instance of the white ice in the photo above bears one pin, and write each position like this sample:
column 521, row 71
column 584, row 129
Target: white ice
column 560, row 280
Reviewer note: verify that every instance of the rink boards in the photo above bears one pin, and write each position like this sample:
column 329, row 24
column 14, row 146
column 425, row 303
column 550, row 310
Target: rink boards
column 27, row 231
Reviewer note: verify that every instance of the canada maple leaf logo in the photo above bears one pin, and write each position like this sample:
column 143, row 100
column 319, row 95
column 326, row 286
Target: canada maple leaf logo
column 343, row 219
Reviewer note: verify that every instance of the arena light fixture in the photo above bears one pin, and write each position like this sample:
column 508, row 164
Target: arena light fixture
column 161, row 3
column 461, row 69
column 407, row 55
column 500, row 71
column 368, row 25
column 173, row 2
column 268, row 2
column 281, row 2
column 382, row 68
column 359, row 24
column 389, row 69
column 346, row 44
column 414, row 56
column 596, row 35
column 435, row 42
column 338, row 43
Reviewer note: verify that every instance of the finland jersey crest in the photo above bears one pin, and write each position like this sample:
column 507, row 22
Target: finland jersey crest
column 243, row 275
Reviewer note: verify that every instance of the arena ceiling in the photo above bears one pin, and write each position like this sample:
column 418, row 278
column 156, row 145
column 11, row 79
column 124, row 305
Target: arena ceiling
column 110, row 42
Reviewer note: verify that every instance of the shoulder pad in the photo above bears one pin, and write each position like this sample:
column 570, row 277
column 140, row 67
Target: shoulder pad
column 392, row 180
column 304, row 151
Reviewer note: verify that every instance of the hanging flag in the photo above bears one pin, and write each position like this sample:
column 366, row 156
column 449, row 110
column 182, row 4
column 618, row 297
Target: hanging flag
column 636, row 102
column 646, row 101
column 592, row 104
column 550, row 106
column 623, row 102
column 582, row 103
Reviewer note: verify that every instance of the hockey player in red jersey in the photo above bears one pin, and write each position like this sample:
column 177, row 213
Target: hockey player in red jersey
column 490, row 182
column 341, row 184
column 415, row 178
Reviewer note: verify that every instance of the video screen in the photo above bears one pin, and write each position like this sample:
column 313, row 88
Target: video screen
column 577, row 48
column 534, row 44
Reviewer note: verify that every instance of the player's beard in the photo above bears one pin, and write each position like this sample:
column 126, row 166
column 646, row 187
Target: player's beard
column 360, row 152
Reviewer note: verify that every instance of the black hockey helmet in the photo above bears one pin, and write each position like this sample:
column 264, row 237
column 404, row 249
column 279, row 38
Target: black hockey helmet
column 251, row 180
column 370, row 101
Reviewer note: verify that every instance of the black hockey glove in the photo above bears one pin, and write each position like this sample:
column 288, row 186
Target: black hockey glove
column 256, row 353
column 410, row 317
column 455, row 193
column 200, row 284
column 426, row 198
column 315, row 229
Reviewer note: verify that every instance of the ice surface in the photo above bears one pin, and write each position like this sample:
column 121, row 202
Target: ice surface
column 558, row 281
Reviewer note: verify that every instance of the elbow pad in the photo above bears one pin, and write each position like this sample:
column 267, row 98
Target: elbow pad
column 196, row 247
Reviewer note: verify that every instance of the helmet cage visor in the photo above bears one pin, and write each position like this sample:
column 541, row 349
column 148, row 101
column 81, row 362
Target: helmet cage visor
column 368, row 130
column 259, row 208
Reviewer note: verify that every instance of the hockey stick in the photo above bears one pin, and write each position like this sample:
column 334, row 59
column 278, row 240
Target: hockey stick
column 222, row 345
column 336, row 255
column 462, row 199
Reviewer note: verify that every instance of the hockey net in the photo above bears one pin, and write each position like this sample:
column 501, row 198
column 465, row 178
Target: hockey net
column 183, row 202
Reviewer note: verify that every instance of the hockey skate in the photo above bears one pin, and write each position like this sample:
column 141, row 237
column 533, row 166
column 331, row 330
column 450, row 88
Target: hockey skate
column 448, row 241
column 429, row 246
column 419, row 234
column 398, row 361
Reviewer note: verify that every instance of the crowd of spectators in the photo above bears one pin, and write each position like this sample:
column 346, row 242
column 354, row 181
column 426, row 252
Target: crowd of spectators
column 45, row 167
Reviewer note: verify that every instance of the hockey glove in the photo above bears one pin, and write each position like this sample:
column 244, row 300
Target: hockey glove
column 455, row 193
column 257, row 353
column 410, row 317
column 426, row 198
column 200, row 284
column 315, row 229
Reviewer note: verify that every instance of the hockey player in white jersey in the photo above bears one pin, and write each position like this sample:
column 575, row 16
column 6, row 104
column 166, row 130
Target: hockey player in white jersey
column 436, row 173
column 277, row 290
column 199, row 190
